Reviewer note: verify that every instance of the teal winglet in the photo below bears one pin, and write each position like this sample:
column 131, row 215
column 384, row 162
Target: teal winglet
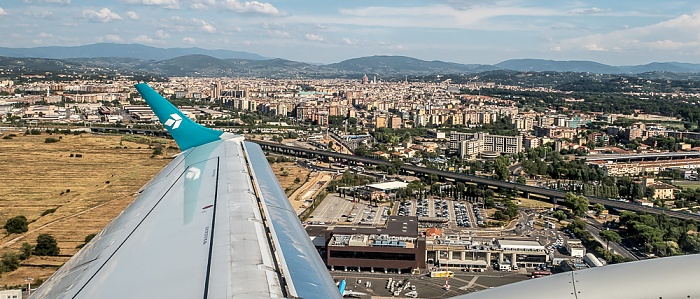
column 185, row 131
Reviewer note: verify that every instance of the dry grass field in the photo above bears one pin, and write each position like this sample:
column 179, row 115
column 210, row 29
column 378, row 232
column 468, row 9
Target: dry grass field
column 36, row 176
column 293, row 171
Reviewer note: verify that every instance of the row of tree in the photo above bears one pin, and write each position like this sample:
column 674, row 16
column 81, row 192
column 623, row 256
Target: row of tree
column 660, row 233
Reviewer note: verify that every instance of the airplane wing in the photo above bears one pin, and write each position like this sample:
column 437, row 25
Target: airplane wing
column 213, row 224
column 670, row 277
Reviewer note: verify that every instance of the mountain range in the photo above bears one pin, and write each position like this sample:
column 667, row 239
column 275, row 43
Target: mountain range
column 140, row 59
column 137, row 51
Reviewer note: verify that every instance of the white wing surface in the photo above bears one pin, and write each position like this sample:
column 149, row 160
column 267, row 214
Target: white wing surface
column 213, row 224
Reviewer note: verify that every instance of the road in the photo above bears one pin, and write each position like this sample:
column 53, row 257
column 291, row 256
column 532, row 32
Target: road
column 527, row 190
column 595, row 229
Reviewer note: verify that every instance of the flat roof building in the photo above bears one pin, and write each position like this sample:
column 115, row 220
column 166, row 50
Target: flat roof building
column 396, row 247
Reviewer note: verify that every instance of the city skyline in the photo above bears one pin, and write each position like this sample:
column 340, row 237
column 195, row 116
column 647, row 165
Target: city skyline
column 485, row 32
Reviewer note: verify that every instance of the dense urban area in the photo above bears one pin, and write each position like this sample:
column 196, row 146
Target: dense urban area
column 623, row 152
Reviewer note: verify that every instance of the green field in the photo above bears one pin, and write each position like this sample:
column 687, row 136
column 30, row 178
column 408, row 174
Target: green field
column 687, row 184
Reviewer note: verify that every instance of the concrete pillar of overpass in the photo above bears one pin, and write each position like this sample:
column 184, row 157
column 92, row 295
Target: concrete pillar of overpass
column 450, row 255
column 371, row 269
column 500, row 258
column 462, row 255
column 526, row 194
column 513, row 259
column 488, row 259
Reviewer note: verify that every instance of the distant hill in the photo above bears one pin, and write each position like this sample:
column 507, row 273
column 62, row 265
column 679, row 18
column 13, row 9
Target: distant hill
column 392, row 65
column 542, row 65
column 137, row 51
column 145, row 60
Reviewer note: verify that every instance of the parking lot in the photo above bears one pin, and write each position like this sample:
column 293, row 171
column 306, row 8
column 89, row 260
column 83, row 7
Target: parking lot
column 442, row 213
column 343, row 210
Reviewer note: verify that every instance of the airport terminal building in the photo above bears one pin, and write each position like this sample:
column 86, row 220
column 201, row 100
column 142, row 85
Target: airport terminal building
column 397, row 248
column 455, row 252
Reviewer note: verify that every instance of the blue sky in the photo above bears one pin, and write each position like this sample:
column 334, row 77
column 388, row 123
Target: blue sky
column 464, row 31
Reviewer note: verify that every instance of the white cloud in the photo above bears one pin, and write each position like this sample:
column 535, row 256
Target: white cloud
column 2, row 12
column 679, row 33
column 250, row 7
column 40, row 14
column 202, row 4
column 205, row 26
column 48, row 1
column 593, row 47
column 44, row 34
column 188, row 40
column 280, row 33
column 349, row 41
column 132, row 15
column 113, row 38
column 431, row 16
column 144, row 39
column 162, row 34
column 314, row 37
column 103, row 16
column 590, row 11
column 170, row 4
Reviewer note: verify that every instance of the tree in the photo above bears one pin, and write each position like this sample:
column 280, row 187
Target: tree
column 46, row 245
column 577, row 226
column 560, row 215
column 17, row 225
column 608, row 236
column 577, row 204
column 501, row 168
column 649, row 192
column 489, row 202
column 598, row 208
column 25, row 251
column 521, row 180
column 10, row 262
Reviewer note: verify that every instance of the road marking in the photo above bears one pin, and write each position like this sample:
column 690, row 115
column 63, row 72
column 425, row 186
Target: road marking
column 469, row 284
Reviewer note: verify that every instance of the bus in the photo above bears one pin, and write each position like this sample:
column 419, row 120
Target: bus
column 442, row 274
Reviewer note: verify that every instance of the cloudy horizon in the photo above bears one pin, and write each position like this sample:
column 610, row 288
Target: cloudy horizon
column 462, row 31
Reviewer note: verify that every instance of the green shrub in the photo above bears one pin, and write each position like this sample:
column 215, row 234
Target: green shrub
column 17, row 225
column 49, row 211
column 46, row 245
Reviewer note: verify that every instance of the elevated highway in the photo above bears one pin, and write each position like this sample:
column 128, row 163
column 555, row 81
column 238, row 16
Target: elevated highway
column 555, row 195
column 643, row 157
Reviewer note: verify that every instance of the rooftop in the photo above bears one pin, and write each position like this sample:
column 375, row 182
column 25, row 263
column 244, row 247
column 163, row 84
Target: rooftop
column 388, row 186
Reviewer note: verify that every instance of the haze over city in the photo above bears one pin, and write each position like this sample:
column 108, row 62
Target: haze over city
column 616, row 33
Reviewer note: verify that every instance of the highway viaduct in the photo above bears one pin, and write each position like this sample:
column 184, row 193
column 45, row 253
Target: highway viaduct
column 554, row 195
